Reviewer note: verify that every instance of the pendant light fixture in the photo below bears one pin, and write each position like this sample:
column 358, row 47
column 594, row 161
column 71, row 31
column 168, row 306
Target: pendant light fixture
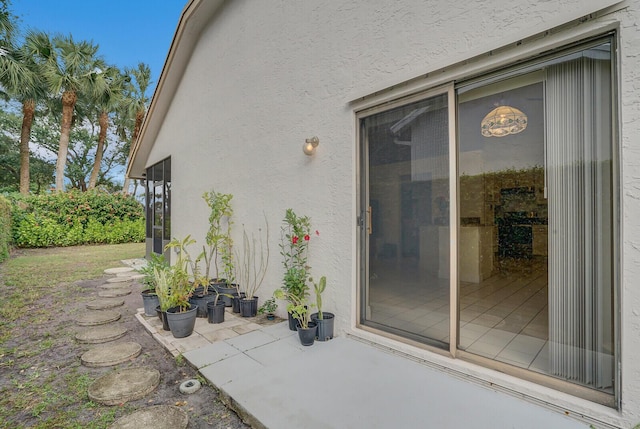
column 502, row 121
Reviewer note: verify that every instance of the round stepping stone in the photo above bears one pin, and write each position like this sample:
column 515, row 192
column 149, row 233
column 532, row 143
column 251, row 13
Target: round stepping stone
column 119, row 279
column 105, row 303
column 137, row 276
column 101, row 334
column 118, row 270
column 110, row 355
column 157, row 417
column 129, row 384
column 113, row 293
column 113, row 286
column 98, row 317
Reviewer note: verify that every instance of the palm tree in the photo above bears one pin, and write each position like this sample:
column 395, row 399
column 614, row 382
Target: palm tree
column 21, row 79
column 107, row 101
column 137, row 106
column 70, row 69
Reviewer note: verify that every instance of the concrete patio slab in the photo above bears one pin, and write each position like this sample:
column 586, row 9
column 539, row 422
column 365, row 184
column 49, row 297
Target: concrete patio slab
column 210, row 354
column 394, row 392
column 273, row 353
column 232, row 368
column 251, row 340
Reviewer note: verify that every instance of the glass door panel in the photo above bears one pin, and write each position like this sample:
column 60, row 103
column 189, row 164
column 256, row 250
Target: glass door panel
column 406, row 165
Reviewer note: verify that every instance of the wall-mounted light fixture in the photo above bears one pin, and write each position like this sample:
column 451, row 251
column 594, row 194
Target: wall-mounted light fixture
column 502, row 121
column 310, row 145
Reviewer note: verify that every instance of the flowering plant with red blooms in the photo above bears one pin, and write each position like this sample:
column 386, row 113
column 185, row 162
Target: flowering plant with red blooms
column 294, row 248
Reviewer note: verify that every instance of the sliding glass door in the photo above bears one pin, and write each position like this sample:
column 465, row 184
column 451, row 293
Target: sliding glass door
column 406, row 205
column 520, row 185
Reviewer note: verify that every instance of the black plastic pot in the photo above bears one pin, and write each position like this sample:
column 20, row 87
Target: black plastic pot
column 307, row 335
column 292, row 322
column 325, row 326
column 227, row 290
column 163, row 318
column 201, row 300
column 249, row 307
column 181, row 323
column 215, row 312
column 150, row 301
column 235, row 302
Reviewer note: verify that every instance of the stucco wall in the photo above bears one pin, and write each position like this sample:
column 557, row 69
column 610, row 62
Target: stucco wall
column 268, row 74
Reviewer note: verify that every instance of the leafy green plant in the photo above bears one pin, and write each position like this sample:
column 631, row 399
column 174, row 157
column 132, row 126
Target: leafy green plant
column 299, row 308
column 148, row 270
column 72, row 218
column 183, row 274
column 269, row 306
column 295, row 235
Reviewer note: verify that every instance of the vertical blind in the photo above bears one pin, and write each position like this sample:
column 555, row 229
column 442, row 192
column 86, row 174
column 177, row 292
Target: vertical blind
column 579, row 161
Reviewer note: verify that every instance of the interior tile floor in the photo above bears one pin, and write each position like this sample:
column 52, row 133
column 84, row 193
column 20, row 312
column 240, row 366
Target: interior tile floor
column 505, row 317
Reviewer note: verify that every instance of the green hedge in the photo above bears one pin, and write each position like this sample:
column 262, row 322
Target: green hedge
column 5, row 228
column 73, row 218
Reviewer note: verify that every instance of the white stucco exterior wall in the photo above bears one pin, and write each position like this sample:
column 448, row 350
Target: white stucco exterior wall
column 268, row 74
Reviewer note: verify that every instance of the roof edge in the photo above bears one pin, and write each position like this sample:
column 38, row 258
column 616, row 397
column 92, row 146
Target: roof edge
column 193, row 19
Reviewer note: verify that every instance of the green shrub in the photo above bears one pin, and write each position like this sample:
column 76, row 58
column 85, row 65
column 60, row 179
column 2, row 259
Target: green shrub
column 72, row 218
column 5, row 228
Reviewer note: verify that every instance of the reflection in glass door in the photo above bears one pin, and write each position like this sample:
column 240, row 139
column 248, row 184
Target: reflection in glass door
column 406, row 208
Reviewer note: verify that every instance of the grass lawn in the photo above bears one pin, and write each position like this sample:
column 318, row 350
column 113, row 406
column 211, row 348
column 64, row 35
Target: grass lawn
column 42, row 383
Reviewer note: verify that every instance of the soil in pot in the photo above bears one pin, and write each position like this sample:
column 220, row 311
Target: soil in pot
column 215, row 312
column 307, row 335
column 249, row 307
column 325, row 326
column 181, row 323
column 235, row 303
column 150, row 301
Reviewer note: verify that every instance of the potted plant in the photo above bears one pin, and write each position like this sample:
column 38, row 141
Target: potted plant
column 216, row 309
column 324, row 320
column 163, row 291
column 181, row 317
column 269, row 308
column 295, row 235
column 149, row 296
column 252, row 268
column 219, row 243
column 299, row 308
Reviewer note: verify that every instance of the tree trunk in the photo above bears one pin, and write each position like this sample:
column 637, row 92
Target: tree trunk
column 68, row 103
column 28, row 111
column 104, row 124
column 134, row 139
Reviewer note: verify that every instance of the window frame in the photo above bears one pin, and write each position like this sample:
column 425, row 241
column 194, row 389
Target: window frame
column 380, row 103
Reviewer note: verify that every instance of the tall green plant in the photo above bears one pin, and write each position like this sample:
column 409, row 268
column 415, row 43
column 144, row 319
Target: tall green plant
column 219, row 243
column 294, row 248
column 183, row 274
column 253, row 261
column 319, row 289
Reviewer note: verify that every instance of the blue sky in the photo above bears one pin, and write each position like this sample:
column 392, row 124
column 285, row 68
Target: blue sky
column 127, row 31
